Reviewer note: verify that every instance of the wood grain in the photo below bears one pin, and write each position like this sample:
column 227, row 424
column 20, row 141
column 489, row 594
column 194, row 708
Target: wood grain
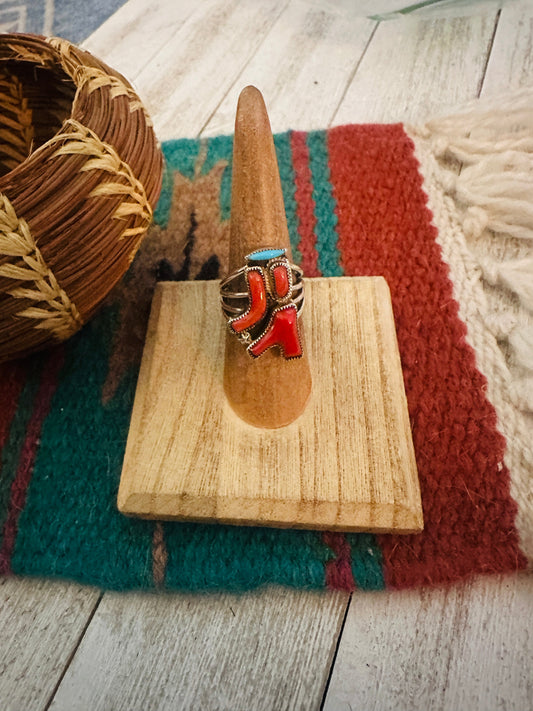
column 465, row 647
column 416, row 68
column 260, row 651
column 135, row 34
column 41, row 623
column 190, row 75
column 510, row 65
column 347, row 463
column 312, row 51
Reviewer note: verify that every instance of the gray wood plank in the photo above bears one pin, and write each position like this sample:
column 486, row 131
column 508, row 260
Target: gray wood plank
column 186, row 80
column 42, row 623
column 302, row 67
column 510, row 65
column 466, row 647
column 260, row 651
column 189, row 59
column 134, row 34
column 415, row 68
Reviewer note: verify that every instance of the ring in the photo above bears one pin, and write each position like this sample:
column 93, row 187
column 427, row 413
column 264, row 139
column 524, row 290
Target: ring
column 262, row 301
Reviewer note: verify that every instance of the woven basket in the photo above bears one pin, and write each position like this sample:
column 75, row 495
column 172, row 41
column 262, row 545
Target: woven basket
column 80, row 170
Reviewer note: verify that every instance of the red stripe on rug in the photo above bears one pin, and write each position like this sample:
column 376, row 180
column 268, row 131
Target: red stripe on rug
column 339, row 574
column 385, row 228
column 22, row 479
column 12, row 378
column 305, row 205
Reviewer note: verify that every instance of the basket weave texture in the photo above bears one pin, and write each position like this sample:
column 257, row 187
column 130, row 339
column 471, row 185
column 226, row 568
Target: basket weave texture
column 80, row 173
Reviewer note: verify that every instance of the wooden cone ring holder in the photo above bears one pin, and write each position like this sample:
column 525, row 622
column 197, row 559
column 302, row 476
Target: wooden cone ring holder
column 321, row 441
column 269, row 391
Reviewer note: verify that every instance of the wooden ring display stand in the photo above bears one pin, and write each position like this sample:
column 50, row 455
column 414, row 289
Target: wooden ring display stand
column 319, row 442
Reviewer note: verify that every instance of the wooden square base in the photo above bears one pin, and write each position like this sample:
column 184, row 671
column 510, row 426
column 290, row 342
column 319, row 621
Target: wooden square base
column 347, row 463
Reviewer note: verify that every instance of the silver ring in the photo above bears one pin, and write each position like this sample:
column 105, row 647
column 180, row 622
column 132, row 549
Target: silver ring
column 262, row 302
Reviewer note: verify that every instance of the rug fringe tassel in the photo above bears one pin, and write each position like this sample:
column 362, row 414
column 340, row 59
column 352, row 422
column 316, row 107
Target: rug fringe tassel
column 515, row 275
column 492, row 142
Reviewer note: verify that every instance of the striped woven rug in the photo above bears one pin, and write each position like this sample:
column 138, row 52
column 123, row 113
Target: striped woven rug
column 360, row 200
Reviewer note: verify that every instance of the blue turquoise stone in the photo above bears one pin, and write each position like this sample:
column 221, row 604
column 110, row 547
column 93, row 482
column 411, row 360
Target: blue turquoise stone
column 266, row 254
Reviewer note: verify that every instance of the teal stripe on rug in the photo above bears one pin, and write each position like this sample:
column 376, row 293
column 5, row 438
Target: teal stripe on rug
column 179, row 155
column 214, row 557
column 219, row 149
column 15, row 441
column 367, row 561
column 282, row 142
column 325, row 206
column 70, row 526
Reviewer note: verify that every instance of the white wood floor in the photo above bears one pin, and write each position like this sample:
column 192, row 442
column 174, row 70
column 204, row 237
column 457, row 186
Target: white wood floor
column 66, row 647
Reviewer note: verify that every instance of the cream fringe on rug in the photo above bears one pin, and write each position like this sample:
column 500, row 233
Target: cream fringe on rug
column 478, row 170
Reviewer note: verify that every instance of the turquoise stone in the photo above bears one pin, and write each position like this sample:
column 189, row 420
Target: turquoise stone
column 266, row 254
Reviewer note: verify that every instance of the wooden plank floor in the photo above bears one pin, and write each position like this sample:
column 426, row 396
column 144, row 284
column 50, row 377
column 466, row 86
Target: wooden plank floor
column 68, row 647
